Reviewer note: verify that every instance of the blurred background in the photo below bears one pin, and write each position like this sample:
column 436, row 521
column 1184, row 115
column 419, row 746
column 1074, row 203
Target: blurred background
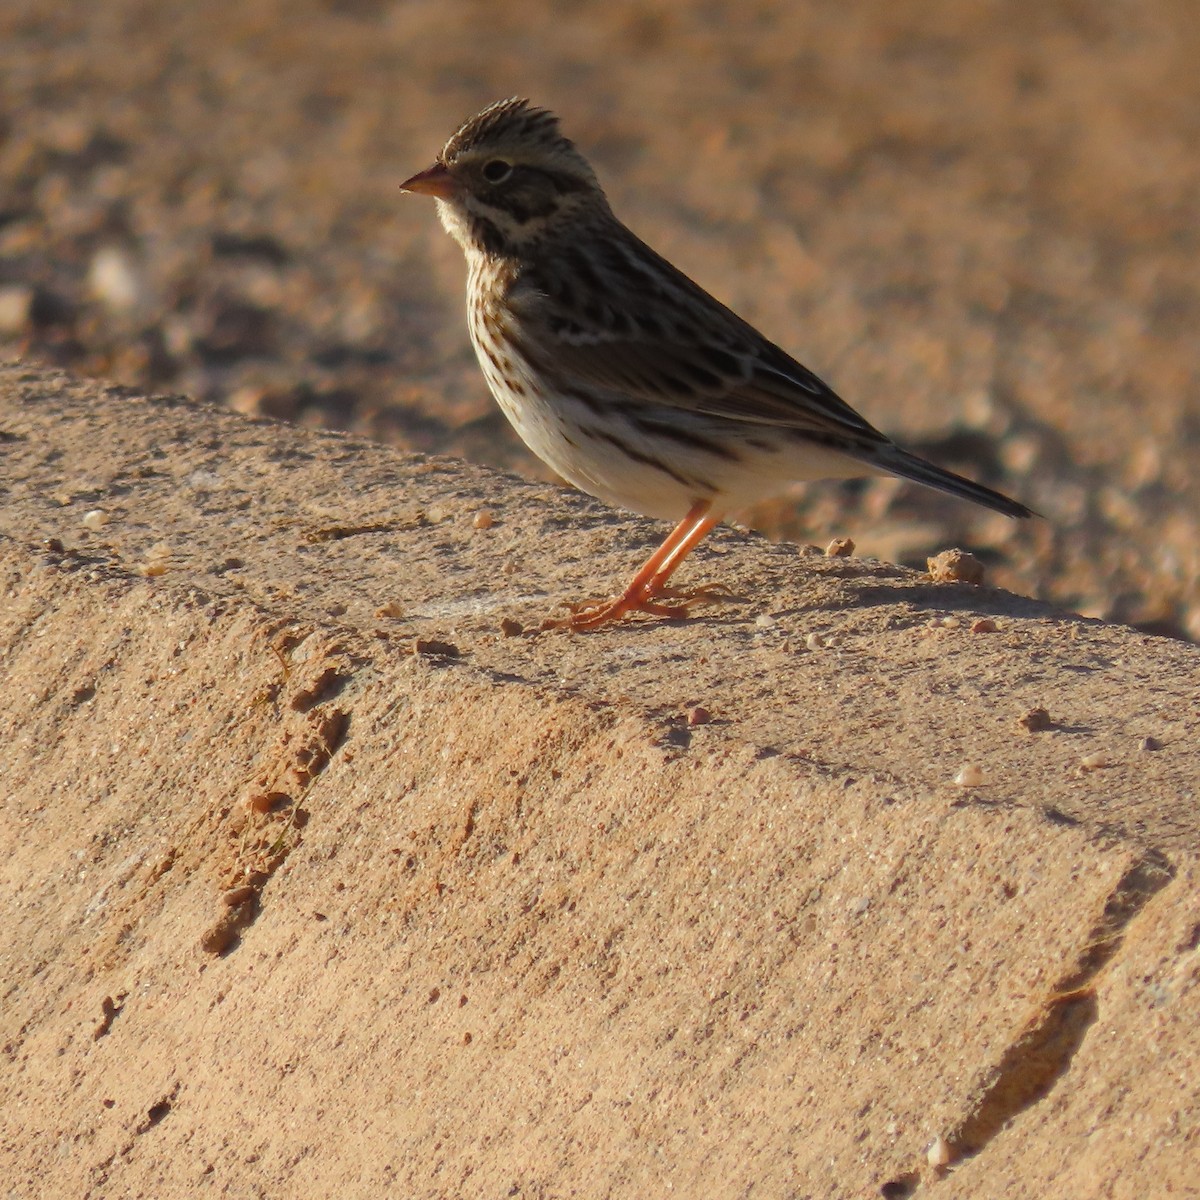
column 978, row 219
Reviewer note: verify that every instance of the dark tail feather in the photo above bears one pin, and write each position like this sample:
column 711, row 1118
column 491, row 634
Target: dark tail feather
column 909, row 466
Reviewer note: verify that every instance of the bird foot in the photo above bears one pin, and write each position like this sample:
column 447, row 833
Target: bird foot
column 592, row 614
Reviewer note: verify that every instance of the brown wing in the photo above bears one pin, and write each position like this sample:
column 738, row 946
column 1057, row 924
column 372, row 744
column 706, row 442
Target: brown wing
column 630, row 323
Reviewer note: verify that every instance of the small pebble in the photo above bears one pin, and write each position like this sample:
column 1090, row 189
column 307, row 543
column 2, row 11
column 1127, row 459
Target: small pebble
column 840, row 547
column 153, row 569
column 1035, row 720
column 158, row 560
column 95, row 518
column 939, row 1153
column 511, row 628
column 944, row 623
column 483, row 519
column 265, row 802
column 223, row 932
column 764, row 621
column 955, row 566
column 984, row 625
column 698, row 715
column 1094, row 762
column 969, row 776
column 1149, row 744
column 218, row 937
column 390, row 609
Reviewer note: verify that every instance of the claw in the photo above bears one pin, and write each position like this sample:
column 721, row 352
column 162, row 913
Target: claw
column 593, row 614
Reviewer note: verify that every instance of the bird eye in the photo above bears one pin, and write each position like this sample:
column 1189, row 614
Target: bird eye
column 497, row 171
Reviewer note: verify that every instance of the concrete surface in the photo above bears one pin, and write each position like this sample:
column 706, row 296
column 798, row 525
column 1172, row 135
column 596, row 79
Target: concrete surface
column 316, row 883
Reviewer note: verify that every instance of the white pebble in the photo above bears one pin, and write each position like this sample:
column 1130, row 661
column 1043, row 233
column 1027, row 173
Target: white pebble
column 1093, row 762
column 939, row 1153
column 814, row 641
column 971, row 775
column 113, row 280
column 764, row 621
column 95, row 518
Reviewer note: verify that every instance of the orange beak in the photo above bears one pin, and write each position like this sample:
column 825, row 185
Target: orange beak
column 435, row 181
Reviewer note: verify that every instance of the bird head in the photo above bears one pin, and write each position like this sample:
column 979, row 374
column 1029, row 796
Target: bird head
column 508, row 179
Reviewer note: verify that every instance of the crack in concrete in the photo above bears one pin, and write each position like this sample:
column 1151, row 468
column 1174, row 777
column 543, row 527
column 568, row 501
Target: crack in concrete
column 1045, row 1047
column 302, row 756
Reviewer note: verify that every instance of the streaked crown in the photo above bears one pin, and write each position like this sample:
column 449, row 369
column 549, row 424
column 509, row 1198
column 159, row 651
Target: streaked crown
column 508, row 180
column 514, row 126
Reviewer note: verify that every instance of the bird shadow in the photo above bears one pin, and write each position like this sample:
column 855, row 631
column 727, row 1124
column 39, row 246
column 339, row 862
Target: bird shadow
column 955, row 597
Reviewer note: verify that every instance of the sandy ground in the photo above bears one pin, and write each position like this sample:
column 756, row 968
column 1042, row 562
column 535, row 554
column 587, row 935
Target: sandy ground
column 317, row 879
column 976, row 219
